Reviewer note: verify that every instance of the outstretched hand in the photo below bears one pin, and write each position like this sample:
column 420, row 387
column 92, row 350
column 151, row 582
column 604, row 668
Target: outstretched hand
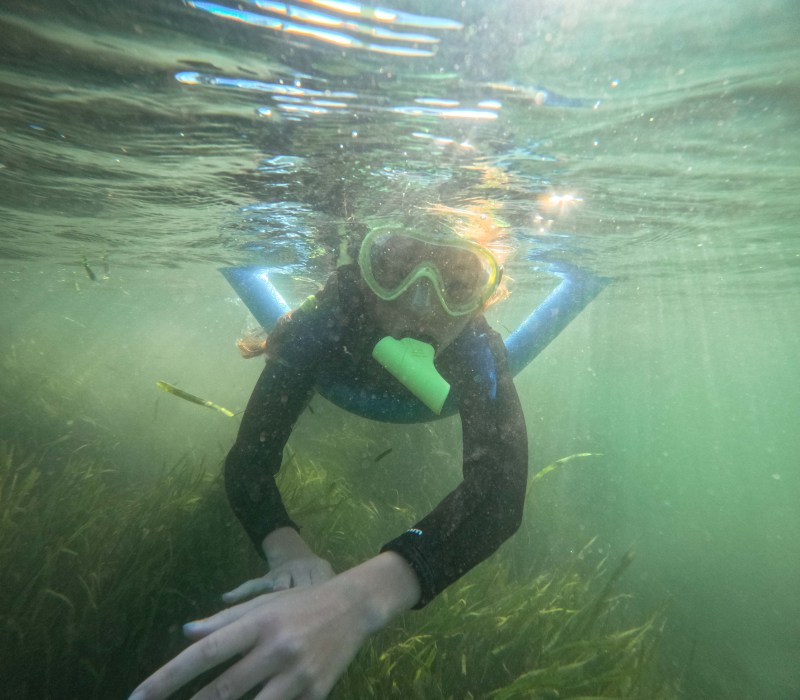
column 293, row 643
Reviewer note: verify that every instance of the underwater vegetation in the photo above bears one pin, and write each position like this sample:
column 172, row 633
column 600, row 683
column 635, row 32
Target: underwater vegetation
column 502, row 636
column 97, row 572
column 99, row 569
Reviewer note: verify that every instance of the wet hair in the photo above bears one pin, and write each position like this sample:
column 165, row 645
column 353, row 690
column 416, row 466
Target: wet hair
column 478, row 222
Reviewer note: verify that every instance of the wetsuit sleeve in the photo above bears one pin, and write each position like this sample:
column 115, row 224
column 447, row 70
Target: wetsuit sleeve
column 282, row 392
column 486, row 508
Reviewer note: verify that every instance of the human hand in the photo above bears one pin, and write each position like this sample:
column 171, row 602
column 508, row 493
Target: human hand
column 295, row 642
column 295, row 573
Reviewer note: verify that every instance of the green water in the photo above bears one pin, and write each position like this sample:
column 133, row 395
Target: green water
column 682, row 159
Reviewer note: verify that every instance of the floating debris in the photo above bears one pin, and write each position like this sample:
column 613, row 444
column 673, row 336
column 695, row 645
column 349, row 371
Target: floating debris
column 555, row 465
column 170, row 389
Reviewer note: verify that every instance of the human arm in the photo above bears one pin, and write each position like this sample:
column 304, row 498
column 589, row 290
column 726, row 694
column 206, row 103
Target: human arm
column 472, row 521
column 281, row 393
column 296, row 641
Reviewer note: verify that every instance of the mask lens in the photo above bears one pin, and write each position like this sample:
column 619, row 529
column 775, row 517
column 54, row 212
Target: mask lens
column 462, row 273
column 392, row 259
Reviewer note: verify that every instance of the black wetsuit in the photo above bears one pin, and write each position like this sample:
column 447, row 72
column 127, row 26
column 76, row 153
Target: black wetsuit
column 470, row 522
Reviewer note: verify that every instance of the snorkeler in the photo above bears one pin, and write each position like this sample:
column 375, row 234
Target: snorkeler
column 298, row 627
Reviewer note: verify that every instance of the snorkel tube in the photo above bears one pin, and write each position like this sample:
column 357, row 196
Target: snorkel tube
column 412, row 365
column 410, row 361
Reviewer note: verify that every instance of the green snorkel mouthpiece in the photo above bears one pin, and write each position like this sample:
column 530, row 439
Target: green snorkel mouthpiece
column 410, row 361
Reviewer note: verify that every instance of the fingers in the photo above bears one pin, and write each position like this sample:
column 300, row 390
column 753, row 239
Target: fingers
column 318, row 571
column 282, row 687
column 298, row 574
column 281, row 580
column 302, row 578
column 322, row 573
column 198, row 629
column 198, row 658
column 248, row 589
column 251, row 671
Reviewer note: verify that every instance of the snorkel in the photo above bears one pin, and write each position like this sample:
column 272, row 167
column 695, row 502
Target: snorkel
column 410, row 361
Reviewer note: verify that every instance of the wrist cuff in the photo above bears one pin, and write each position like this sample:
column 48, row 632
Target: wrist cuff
column 407, row 546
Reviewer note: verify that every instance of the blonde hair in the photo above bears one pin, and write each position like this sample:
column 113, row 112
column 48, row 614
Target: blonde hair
column 477, row 221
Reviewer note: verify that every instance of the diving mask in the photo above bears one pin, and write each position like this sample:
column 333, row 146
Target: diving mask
column 464, row 274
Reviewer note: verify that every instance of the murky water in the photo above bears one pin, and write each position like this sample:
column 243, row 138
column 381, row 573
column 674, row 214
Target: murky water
column 146, row 144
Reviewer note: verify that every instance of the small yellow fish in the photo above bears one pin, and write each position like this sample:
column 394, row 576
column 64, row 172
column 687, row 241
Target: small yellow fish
column 164, row 386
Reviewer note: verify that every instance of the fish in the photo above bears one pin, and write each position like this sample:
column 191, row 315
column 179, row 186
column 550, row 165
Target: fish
column 170, row 389
column 382, row 455
column 89, row 272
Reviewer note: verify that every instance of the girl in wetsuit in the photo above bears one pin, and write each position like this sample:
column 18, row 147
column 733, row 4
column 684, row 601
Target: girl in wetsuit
column 306, row 623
